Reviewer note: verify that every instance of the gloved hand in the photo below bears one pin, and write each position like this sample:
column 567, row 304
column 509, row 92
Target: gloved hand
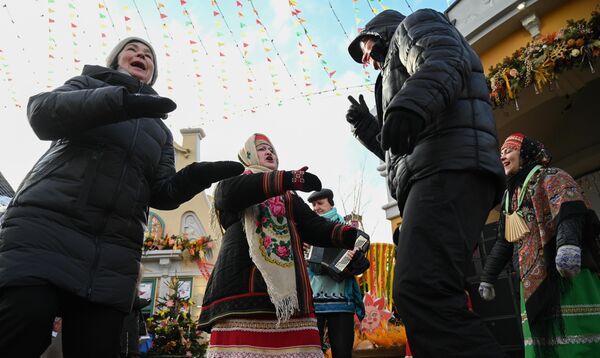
column 486, row 291
column 359, row 263
column 400, row 131
column 358, row 111
column 138, row 105
column 363, row 247
column 212, row 172
column 301, row 180
column 568, row 260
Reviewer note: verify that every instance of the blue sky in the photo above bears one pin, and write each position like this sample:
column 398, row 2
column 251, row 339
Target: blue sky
column 200, row 67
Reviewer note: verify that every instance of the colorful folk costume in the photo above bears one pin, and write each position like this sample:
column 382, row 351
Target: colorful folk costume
column 556, row 256
column 258, row 300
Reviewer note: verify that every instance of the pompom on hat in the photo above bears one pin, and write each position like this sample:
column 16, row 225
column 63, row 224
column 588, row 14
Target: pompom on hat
column 113, row 56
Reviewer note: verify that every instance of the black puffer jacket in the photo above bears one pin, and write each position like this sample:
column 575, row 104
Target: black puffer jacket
column 430, row 70
column 77, row 220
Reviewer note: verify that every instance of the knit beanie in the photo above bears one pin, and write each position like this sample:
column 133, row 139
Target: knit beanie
column 112, row 59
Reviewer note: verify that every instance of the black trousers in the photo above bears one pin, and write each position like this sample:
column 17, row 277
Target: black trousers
column 27, row 314
column 443, row 218
column 340, row 328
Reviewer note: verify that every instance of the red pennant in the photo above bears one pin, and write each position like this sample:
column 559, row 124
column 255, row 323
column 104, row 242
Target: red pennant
column 163, row 16
column 182, row 2
column 103, row 34
column 249, row 80
column 301, row 52
column 331, row 74
column 167, row 54
column 221, row 54
column 238, row 4
column 359, row 29
column 169, row 87
column 50, row 20
column 245, row 44
column 314, row 45
column 307, row 84
column 127, row 18
column 50, row 56
column 198, row 75
column 215, row 13
column 277, row 90
column 268, row 59
column 192, row 42
column 258, row 22
column 73, row 25
column 76, row 60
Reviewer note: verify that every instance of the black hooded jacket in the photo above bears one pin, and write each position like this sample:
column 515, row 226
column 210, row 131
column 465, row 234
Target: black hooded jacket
column 431, row 71
column 77, row 220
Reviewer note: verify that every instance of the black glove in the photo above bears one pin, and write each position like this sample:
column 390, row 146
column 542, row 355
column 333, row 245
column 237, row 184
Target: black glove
column 212, row 172
column 400, row 131
column 301, row 180
column 359, row 263
column 358, row 111
column 137, row 105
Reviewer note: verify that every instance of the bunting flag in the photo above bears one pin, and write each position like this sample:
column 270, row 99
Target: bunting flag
column 267, row 39
column 357, row 20
column 51, row 44
column 103, row 17
column 300, row 22
column 221, row 74
column 160, row 7
column 244, row 50
column 193, row 41
column 73, row 18
column 127, row 19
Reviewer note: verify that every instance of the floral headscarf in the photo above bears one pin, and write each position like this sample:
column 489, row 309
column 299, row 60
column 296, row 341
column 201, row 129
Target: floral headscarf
column 269, row 240
column 248, row 155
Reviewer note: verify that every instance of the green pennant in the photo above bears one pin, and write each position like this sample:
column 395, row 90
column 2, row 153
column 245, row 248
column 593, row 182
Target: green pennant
column 165, row 36
column 102, row 16
column 298, row 34
column 248, row 62
column 219, row 34
column 242, row 25
column 50, row 1
column 324, row 62
column 74, row 43
column 188, row 23
column 264, row 39
column 71, row 6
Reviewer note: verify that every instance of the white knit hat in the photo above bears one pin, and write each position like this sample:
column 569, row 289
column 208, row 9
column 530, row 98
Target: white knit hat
column 112, row 59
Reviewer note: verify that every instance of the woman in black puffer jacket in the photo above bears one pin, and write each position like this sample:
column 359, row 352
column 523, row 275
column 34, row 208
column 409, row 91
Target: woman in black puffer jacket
column 72, row 235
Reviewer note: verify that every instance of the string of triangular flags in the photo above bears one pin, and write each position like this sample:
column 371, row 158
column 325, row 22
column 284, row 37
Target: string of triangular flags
column 265, row 41
column 193, row 41
column 300, row 22
column 160, row 7
column 274, row 47
column 73, row 18
column 222, row 73
column 250, row 77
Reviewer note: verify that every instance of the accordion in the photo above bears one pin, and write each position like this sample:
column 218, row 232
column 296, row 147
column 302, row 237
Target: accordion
column 334, row 261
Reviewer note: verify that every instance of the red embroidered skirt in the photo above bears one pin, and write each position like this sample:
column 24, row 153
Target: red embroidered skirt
column 249, row 338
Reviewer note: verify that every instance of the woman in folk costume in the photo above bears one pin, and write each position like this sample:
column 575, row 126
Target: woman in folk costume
column 258, row 299
column 553, row 234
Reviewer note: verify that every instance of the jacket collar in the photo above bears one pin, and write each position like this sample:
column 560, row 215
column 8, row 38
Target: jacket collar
column 116, row 78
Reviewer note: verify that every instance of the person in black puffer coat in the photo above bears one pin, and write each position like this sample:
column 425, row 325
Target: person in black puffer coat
column 71, row 237
column 435, row 129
